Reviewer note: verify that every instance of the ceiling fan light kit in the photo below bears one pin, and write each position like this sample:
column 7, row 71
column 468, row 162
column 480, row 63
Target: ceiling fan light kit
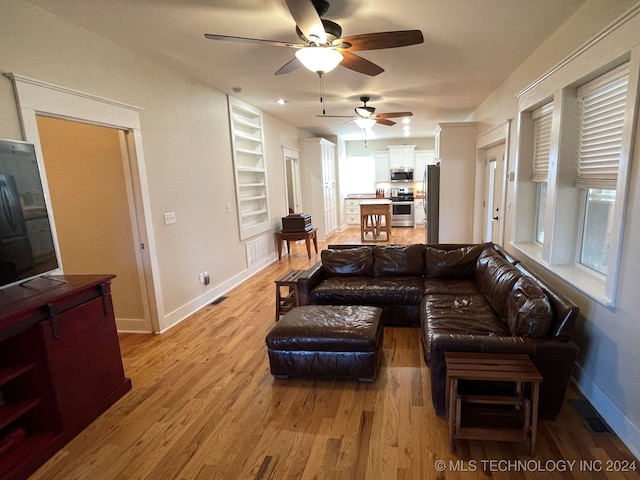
column 365, row 123
column 319, row 59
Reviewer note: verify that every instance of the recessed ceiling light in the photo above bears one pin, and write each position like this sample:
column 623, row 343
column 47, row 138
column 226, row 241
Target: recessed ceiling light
column 406, row 121
column 281, row 101
column 406, row 128
column 407, row 133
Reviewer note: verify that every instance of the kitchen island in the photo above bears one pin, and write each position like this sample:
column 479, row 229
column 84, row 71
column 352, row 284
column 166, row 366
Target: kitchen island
column 372, row 213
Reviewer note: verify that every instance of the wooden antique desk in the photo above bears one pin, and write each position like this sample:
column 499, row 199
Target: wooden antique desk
column 371, row 213
column 510, row 416
column 289, row 236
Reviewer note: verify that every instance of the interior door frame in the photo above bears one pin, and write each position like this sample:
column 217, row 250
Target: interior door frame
column 493, row 194
column 35, row 97
column 291, row 155
column 486, row 140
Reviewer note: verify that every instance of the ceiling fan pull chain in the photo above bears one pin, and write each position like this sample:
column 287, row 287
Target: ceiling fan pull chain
column 322, row 95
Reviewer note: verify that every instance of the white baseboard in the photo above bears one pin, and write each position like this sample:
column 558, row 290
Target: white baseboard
column 173, row 318
column 619, row 422
column 132, row 325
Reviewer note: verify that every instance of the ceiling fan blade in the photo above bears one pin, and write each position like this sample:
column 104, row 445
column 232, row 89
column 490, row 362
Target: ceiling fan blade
column 359, row 64
column 307, row 20
column 380, row 40
column 289, row 67
column 231, row 38
column 384, row 121
column 394, row 115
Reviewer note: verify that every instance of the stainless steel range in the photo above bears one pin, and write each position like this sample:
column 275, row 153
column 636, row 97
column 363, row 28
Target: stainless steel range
column 402, row 207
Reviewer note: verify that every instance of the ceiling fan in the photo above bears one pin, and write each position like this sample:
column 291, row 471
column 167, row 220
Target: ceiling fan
column 366, row 116
column 323, row 47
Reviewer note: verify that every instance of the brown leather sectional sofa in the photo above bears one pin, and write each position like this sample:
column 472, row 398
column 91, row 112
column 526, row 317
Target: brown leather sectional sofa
column 471, row 298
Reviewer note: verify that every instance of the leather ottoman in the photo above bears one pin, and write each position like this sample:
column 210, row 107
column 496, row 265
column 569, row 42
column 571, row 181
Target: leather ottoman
column 327, row 341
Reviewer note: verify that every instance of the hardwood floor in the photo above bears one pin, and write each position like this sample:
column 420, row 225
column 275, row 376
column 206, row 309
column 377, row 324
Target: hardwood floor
column 204, row 406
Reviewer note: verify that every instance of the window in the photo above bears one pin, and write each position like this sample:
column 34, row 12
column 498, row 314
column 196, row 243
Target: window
column 597, row 227
column 540, row 203
column 573, row 189
column 602, row 108
column 541, row 151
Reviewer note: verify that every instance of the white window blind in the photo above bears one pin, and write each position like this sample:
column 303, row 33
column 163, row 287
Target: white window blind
column 541, row 142
column 602, row 107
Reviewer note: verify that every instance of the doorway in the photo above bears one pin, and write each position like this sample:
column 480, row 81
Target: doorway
column 293, row 192
column 88, row 187
column 36, row 98
column 494, row 161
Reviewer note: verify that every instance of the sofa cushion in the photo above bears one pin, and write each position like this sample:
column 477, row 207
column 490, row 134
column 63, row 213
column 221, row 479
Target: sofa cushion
column 458, row 315
column 398, row 260
column 341, row 290
column 456, row 263
column 450, row 286
column 495, row 278
column 348, row 262
column 529, row 312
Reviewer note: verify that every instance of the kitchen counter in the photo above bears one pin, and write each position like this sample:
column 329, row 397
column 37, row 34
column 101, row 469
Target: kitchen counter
column 376, row 201
column 361, row 195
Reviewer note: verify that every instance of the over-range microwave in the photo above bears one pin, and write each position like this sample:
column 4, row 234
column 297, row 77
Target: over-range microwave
column 401, row 175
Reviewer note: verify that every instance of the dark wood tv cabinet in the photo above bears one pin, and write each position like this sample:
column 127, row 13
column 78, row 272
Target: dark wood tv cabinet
column 60, row 366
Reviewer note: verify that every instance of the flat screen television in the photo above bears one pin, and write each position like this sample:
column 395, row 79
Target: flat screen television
column 27, row 245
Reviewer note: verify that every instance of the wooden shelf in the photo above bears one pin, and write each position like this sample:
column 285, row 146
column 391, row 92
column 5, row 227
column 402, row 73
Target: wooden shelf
column 9, row 412
column 14, row 458
column 9, row 373
column 250, row 169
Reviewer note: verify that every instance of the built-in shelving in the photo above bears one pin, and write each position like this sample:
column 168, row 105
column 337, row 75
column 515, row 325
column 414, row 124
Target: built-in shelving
column 250, row 168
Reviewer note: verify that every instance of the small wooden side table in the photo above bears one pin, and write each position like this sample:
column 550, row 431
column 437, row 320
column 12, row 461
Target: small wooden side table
column 289, row 236
column 511, row 417
column 288, row 298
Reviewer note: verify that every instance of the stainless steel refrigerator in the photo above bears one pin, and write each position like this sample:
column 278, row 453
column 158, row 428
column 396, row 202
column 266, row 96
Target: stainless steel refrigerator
column 431, row 188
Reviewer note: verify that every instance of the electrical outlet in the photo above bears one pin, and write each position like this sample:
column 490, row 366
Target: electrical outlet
column 228, row 205
column 201, row 278
column 169, row 218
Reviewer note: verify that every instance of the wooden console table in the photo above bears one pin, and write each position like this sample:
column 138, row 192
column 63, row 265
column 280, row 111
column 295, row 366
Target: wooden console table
column 512, row 416
column 371, row 214
column 289, row 236
column 60, row 365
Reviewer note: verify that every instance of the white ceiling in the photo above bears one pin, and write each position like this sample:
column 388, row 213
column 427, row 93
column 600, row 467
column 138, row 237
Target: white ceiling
column 470, row 48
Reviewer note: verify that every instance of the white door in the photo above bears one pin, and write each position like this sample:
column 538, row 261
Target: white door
column 494, row 161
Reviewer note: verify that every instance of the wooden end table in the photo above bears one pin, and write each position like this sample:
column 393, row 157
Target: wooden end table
column 289, row 236
column 287, row 292
column 507, row 417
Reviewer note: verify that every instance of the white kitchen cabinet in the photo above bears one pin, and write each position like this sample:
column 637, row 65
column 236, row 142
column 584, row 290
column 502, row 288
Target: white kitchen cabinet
column 352, row 211
column 401, row 156
column 422, row 159
column 418, row 212
column 319, row 186
column 456, row 149
column 381, row 160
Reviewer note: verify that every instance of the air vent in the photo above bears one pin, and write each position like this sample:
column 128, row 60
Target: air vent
column 590, row 417
column 218, row 300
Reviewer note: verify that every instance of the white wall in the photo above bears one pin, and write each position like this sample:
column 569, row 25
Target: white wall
column 186, row 141
column 607, row 371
